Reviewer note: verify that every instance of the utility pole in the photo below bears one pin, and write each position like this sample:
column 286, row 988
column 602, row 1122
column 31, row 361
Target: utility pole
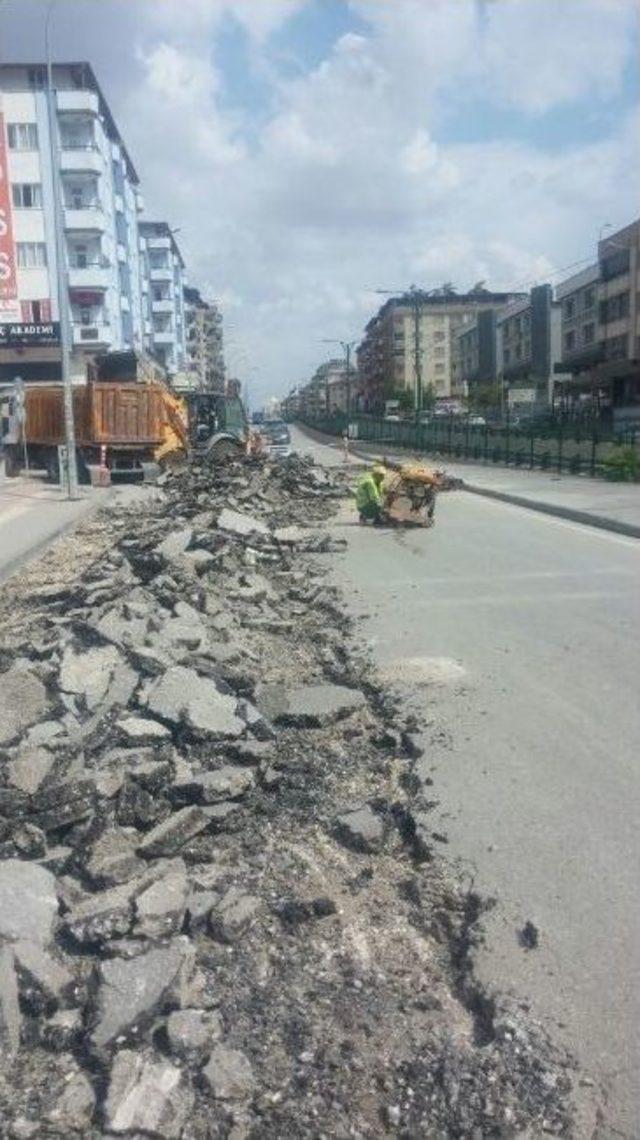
column 346, row 346
column 61, row 273
column 415, row 297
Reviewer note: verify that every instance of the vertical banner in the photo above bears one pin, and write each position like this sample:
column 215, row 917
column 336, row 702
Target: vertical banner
column 8, row 277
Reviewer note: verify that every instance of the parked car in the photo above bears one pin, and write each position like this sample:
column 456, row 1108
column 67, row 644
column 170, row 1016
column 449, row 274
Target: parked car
column 277, row 438
column 477, row 421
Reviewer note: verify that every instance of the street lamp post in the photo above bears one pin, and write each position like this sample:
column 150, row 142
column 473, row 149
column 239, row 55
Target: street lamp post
column 61, row 272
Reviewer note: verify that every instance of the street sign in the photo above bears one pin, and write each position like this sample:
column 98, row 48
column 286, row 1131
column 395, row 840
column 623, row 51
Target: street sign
column 12, row 334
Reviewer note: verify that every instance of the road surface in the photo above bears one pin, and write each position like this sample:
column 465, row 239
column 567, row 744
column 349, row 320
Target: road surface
column 516, row 635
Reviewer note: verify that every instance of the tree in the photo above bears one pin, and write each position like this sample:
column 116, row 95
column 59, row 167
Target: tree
column 484, row 396
column 447, row 289
column 479, row 287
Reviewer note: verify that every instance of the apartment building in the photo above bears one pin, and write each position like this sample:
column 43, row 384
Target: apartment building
column 474, row 357
column 528, row 344
column 163, row 281
column 101, row 203
column 412, row 336
column 600, row 362
column 204, row 342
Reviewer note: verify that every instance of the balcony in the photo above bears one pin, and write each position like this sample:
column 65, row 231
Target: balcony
column 80, row 158
column 158, row 242
column 167, row 336
column 161, row 274
column 78, row 102
column 89, row 277
column 91, row 336
column 163, row 306
column 88, row 219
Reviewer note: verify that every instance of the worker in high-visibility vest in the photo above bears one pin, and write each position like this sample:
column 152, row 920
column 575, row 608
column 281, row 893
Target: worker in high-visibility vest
column 369, row 496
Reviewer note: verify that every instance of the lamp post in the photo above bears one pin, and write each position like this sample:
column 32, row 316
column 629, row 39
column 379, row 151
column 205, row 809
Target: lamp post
column 61, row 272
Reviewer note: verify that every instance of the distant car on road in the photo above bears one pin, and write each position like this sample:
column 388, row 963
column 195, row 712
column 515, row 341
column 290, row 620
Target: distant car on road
column 477, row 421
column 277, row 438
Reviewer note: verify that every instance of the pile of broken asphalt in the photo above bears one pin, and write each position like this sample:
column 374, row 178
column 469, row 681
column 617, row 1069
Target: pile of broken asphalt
column 221, row 911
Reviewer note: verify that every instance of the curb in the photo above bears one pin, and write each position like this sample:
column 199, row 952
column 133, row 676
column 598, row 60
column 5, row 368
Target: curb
column 585, row 518
column 600, row 522
column 10, row 568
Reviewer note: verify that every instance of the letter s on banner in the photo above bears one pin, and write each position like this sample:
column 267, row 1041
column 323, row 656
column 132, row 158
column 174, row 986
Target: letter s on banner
column 8, row 276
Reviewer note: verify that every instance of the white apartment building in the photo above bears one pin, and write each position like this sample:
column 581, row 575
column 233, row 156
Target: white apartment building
column 100, row 201
column 163, row 282
column 204, row 342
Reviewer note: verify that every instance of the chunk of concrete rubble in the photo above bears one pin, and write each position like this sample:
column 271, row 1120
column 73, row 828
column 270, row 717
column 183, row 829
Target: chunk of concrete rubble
column 39, row 971
column 185, row 699
column 132, row 989
column 137, row 807
column 147, row 1096
column 227, row 783
column 10, row 1016
column 23, row 701
column 175, row 543
column 142, row 730
column 193, row 1031
column 229, row 1075
column 169, row 836
column 28, row 902
column 240, row 524
column 88, row 673
column 362, row 829
column 313, row 706
column 29, row 769
column 292, row 535
column 200, row 560
column 102, row 916
column 112, row 859
column 233, row 915
column 69, row 801
column 160, row 907
column 73, row 1111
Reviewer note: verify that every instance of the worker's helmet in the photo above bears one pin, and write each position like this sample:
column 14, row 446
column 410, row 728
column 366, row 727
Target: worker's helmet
column 379, row 472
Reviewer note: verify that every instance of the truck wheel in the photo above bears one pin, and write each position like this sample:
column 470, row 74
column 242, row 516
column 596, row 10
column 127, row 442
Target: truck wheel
column 53, row 467
column 222, row 449
column 11, row 463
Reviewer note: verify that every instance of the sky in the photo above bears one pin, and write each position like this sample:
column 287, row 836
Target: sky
column 313, row 151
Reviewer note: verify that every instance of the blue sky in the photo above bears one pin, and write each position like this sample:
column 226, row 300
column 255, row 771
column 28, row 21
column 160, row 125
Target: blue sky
column 310, row 150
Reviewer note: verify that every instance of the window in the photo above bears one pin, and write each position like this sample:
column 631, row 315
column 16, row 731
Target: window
column 616, row 347
column 80, row 257
column 35, row 312
column 614, row 265
column 22, row 136
column 569, row 309
column 439, row 368
column 439, row 337
column 31, row 254
column 85, row 315
column 588, row 333
column 569, row 341
column 507, row 356
column 27, row 195
column 588, row 299
column 37, row 78
column 615, row 308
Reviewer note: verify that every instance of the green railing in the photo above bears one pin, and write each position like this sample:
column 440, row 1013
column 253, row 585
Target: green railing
column 566, row 448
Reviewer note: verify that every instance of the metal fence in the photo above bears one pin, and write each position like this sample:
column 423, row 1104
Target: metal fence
column 562, row 448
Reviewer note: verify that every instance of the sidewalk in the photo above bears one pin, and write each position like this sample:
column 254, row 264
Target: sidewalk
column 594, row 502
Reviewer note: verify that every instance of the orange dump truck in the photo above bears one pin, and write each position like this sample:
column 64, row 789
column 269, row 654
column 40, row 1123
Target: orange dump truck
column 125, row 426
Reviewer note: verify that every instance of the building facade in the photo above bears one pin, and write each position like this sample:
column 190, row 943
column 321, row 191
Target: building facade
column 204, row 342
column 599, row 371
column 474, row 356
column 409, row 344
column 528, row 348
column 100, row 202
column 162, row 285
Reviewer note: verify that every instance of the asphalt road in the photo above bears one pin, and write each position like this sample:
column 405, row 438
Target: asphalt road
column 517, row 635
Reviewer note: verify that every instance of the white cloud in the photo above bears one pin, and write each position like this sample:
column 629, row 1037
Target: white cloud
column 347, row 181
